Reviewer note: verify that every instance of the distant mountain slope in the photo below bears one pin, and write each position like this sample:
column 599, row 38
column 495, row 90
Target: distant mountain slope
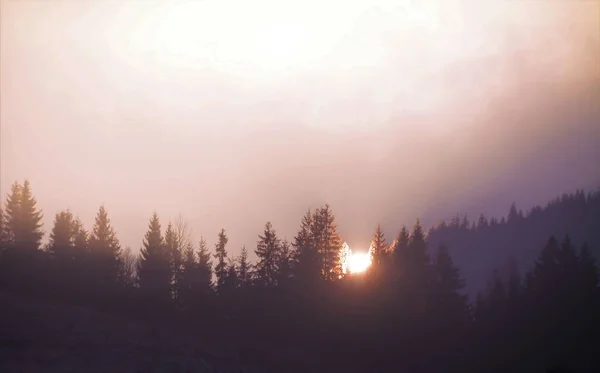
column 483, row 245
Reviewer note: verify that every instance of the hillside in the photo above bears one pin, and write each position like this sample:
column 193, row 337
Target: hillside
column 488, row 244
column 43, row 337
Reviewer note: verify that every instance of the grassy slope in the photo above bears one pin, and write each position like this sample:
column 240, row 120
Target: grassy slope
column 42, row 337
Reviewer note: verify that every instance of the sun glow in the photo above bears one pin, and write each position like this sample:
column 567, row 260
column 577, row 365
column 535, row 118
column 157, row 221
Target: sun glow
column 354, row 263
column 258, row 37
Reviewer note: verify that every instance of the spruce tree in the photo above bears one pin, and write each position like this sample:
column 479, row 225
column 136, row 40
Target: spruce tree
column 401, row 247
column 31, row 233
column 455, row 221
column 221, row 256
column 513, row 214
column 464, row 223
column 80, row 239
column 204, row 276
column 172, row 248
column 267, row 252
column 493, row 222
column 62, row 237
column 482, row 223
column 414, row 267
column 186, row 284
column 23, row 219
column 154, row 268
column 4, row 231
column 285, row 263
column 308, row 263
column 105, row 251
column 231, row 277
column 244, row 268
column 328, row 243
column 83, row 261
column 450, row 302
column 13, row 212
column 378, row 248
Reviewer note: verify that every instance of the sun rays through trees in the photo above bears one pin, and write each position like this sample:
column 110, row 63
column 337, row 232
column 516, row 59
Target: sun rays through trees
column 402, row 304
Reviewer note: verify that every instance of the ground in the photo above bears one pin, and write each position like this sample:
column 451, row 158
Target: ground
column 45, row 337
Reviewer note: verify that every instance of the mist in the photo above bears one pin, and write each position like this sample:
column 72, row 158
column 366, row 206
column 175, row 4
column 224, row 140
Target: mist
column 457, row 109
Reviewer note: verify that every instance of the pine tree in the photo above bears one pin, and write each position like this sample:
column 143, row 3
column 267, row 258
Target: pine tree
column 328, row 243
column 62, row 237
column 175, row 258
column 23, row 219
column 267, row 251
column 105, row 251
column 401, row 247
column 547, row 267
column 447, row 288
column 378, row 247
column 84, row 265
column 417, row 247
column 284, row 263
column 244, row 268
column 221, row 256
column 442, row 225
column 308, row 265
column 181, row 241
column 482, row 223
column 154, row 268
column 186, row 284
column 455, row 221
column 465, row 223
column 4, row 231
column 80, row 239
column 569, row 256
column 231, row 277
column 513, row 214
column 30, row 218
column 204, row 277
column 416, row 261
column 13, row 212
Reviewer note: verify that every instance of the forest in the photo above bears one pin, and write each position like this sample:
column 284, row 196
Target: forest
column 512, row 294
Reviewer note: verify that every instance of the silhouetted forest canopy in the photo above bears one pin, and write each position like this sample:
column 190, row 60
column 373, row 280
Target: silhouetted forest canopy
column 515, row 294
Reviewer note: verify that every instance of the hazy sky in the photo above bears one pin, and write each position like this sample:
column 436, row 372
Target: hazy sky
column 237, row 112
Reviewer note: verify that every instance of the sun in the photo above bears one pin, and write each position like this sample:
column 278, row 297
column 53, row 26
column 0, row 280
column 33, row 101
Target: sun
column 359, row 262
column 354, row 263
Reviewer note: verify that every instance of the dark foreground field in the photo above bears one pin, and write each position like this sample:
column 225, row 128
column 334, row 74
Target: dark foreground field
column 44, row 337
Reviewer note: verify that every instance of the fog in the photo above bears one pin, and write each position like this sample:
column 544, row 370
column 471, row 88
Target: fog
column 420, row 110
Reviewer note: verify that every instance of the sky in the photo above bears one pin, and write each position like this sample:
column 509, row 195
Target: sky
column 232, row 113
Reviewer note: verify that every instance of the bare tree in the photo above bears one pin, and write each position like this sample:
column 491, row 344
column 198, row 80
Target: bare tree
column 128, row 270
column 183, row 241
column 183, row 233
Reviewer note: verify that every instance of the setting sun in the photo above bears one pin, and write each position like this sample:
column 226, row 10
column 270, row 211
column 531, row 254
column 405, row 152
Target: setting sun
column 359, row 262
column 354, row 263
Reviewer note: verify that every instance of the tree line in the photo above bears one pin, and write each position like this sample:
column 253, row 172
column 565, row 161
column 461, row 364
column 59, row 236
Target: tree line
column 295, row 309
column 485, row 244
